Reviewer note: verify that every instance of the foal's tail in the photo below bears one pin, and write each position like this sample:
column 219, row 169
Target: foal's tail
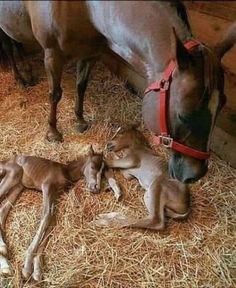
column 228, row 41
column 6, row 48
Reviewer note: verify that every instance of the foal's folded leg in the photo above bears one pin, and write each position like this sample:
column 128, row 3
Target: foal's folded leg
column 127, row 162
column 154, row 201
column 109, row 175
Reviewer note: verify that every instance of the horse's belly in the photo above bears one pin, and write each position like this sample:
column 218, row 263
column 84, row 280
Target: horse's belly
column 80, row 49
column 14, row 21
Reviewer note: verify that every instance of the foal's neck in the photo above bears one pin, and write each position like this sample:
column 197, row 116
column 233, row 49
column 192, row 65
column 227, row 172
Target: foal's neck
column 75, row 169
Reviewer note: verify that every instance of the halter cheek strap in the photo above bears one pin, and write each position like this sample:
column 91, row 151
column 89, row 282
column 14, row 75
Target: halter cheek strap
column 163, row 86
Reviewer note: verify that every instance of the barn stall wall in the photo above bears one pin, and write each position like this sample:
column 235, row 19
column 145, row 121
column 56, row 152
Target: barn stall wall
column 209, row 21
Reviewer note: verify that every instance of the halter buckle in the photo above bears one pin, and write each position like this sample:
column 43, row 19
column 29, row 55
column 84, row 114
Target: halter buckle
column 164, row 85
column 166, row 141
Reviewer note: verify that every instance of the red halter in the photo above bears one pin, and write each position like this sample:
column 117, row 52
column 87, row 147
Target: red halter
column 163, row 86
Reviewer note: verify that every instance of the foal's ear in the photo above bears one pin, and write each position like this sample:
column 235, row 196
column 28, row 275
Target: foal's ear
column 91, row 151
column 179, row 52
column 134, row 126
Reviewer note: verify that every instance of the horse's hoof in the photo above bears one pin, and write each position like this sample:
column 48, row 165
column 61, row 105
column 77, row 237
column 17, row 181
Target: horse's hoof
column 31, row 82
column 82, row 127
column 54, row 136
column 21, row 81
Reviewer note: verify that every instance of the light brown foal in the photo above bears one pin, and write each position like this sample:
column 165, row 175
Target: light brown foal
column 163, row 195
column 51, row 178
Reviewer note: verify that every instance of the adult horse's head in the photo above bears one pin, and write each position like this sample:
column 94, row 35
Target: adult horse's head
column 194, row 97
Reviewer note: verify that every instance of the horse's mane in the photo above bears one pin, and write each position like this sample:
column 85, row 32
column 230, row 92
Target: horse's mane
column 181, row 11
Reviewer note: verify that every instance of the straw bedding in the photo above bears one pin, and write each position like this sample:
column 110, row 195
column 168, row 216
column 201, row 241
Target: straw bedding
column 199, row 252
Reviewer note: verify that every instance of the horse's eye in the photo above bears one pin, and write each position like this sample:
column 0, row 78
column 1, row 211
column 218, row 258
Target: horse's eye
column 185, row 119
column 188, row 121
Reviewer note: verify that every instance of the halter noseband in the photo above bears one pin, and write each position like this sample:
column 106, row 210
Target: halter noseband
column 164, row 86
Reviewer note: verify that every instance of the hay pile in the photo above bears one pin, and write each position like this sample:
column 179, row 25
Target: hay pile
column 197, row 253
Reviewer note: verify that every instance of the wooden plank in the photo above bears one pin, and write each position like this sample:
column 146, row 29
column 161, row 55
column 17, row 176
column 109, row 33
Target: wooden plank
column 210, row 30
column 220, row 9
column 223, row 145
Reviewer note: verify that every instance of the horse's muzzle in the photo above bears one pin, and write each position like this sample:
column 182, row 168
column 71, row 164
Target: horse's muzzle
column 187, row 170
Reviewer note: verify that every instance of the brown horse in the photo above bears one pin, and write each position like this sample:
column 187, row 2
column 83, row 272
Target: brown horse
column 141, row 32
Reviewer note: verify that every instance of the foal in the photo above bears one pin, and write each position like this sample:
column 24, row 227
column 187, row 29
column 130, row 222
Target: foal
column 163, row 195
column 51, row 178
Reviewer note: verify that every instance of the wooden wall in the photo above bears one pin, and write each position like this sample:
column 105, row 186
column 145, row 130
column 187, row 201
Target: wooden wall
column 209, row 20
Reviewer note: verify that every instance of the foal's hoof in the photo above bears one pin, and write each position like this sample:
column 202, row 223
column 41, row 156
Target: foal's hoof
column 54, row 136
column 37, row 276
column 3, row 249
column 82, row 127
column 26, row 273
column 5, row 267
column 6, row 272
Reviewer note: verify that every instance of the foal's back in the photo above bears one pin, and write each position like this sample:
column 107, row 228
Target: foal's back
column 37, row 171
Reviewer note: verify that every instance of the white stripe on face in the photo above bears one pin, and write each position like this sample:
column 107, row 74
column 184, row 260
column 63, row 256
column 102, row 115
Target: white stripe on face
column 213, row 105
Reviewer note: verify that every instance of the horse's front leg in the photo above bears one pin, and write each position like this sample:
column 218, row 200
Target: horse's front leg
column 53, row 61
column 49, row 194
column 82, row 75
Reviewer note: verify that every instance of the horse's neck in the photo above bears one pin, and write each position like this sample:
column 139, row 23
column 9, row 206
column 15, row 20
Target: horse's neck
column 75, row 169
column 142, row 34
column 160, row 51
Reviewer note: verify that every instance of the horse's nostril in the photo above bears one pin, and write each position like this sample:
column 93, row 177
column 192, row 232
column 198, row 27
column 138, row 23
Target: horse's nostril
column 189, row 180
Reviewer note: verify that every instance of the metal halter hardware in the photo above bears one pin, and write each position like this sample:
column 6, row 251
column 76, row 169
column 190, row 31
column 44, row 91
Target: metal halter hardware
column 163, row 86
column 166, row 141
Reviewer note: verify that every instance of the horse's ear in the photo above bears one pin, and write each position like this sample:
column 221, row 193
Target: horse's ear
column 91, row 151
column 179, row 52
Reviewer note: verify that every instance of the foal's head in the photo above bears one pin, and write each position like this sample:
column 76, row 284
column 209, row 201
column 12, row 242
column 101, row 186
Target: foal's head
column 195, row 98
column 126, row 137
column 93, row 169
